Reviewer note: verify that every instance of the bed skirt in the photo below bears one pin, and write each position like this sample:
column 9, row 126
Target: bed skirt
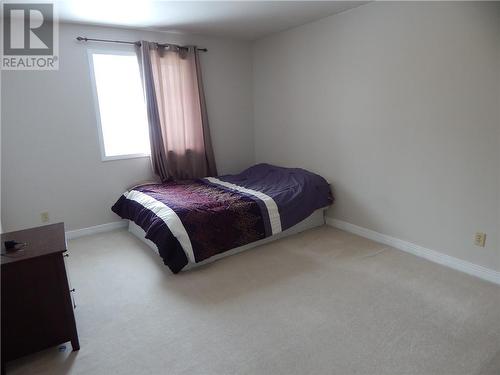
column 316, row 219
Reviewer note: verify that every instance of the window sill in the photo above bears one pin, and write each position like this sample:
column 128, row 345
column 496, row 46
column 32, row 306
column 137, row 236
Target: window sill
column 122, row 157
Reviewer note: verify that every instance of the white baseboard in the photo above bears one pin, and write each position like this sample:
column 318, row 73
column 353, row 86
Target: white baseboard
column 432, row 255
column 72, row 234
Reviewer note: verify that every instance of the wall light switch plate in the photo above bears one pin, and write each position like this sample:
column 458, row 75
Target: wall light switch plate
column 44, row 216
column 480, row 239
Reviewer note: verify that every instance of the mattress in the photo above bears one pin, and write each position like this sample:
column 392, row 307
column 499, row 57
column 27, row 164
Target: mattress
column 192, row 221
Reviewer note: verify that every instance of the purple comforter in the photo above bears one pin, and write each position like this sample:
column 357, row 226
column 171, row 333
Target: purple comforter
column 190, row 221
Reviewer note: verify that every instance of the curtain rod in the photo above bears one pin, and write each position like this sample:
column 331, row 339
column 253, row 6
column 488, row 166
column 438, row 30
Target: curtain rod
column 83, row 39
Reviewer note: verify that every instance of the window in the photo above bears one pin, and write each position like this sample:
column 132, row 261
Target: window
column 120, row 105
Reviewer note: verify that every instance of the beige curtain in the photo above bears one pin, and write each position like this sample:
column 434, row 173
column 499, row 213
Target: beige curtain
column 181, row 147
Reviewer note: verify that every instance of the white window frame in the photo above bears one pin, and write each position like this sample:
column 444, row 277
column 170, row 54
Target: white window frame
column 107, row 51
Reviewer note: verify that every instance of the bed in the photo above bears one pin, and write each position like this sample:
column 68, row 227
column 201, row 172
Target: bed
column 193, row 222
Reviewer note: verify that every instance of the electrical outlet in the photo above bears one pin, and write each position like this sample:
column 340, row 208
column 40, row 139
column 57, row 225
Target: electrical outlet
column 44, row 216
column 480, row 239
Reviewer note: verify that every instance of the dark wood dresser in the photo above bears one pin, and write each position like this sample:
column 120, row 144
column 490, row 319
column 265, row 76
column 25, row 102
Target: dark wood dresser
column 37, row 305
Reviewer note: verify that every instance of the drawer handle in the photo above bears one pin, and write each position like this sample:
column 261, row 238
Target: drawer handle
column 72, row 290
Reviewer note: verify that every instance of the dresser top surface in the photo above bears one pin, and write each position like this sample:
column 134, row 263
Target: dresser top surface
column 40, row 241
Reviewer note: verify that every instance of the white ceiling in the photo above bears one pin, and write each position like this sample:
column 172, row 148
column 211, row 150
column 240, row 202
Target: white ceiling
column 248, row 20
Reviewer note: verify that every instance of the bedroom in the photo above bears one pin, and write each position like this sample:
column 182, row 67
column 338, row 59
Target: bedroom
column 392, row 107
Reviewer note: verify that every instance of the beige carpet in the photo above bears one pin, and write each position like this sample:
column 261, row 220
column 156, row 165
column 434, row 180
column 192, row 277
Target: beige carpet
column 321, row 302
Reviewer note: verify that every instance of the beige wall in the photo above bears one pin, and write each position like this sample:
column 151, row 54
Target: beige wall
column 51, row 159
column 398, row 106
